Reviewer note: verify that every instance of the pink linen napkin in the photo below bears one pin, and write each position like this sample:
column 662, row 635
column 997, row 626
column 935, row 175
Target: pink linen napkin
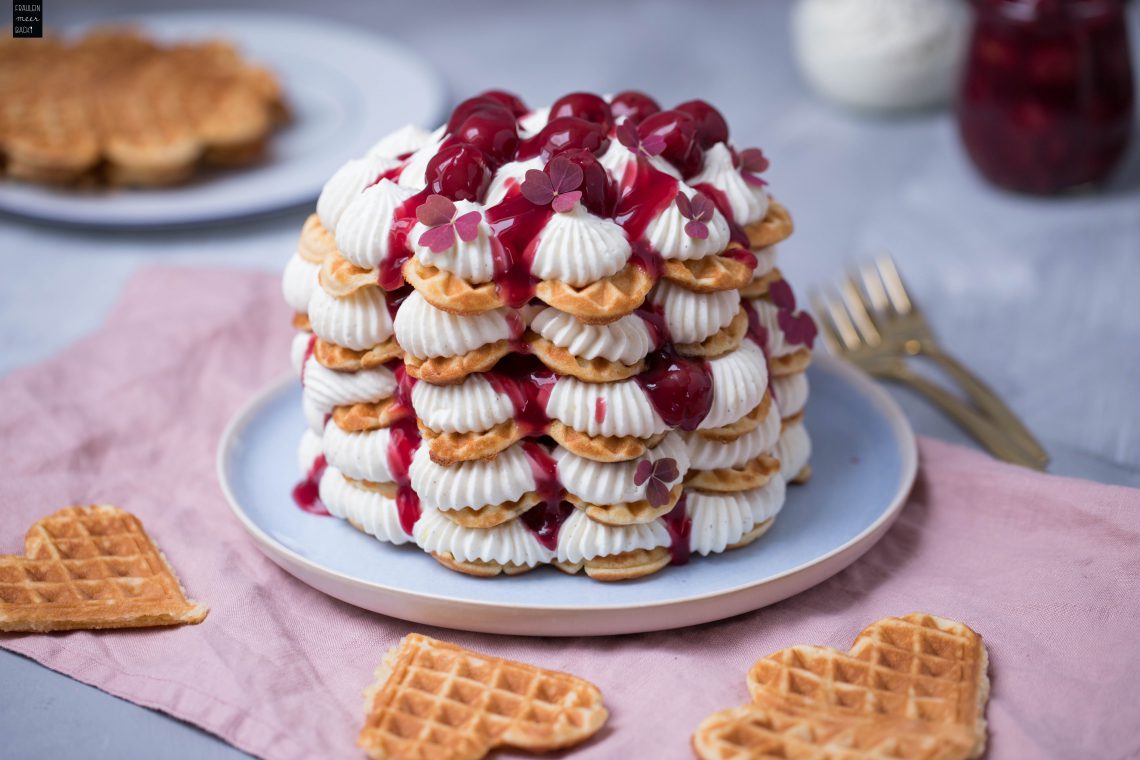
column 1045, row 568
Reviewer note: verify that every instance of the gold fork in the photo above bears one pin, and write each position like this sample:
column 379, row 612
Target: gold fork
column 877, row 326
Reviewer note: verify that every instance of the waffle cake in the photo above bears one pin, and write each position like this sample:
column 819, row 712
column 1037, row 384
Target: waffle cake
column 551, row 336
column 114, row 107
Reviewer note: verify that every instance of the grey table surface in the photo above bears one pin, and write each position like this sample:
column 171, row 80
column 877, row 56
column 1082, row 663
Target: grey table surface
column 1040, row 296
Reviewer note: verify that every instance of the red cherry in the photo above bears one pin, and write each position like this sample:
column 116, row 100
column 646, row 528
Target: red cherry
column 598, row 194
column 680, row 389
column 494, row 132
column 634, row 105
column 512, row 102
column 477, row 104
column 567, row 133
column 583, row 105
column 711, row 126
column 679, row 129
column 459, row 172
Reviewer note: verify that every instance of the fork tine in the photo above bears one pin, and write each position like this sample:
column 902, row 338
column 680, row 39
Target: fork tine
column 893, row 283
column 873, row 285
column 833, row 306
column 826, row 331
column 857, row 308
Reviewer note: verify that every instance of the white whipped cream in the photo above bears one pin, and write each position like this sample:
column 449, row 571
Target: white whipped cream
column 791, row 392
column 406, row 139
column 345, row 184
column 508, row 175
column 581, row 538
column 362, row 233
column 707, row 454
column 360, row 456
column 326, row 388
column 308, row 450
column 358, row 321
column 425, row 331
column 509, row 542
column 314, row 417
column 749, row 203
column 579, row 248
column 768, row 314
column 415, row 170
column 373, row 511
column 666, row 233
column 297, row 350
column 620, row 162
column 739, row 380
column 690, row 316
column 533, row 122
column 299, row 282
column 626, row 340
column 472, row 261
column 613, row 482
column 626, row 409
column 765, row 260
column 504, row 478
column 472, row 406
column 793, row 449
column 720, row 519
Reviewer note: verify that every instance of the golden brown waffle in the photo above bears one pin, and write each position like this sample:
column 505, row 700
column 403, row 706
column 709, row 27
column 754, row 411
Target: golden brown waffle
column 478, row 568
column 388, row 489
column 759, row 286
column 775, row 227
column 745, row 424
column 316, row 243
column 114, row 107
column 803, row 476
column 448, row 448
column 709, row 274
column 301, row 322
column 360, row 418
column 752, row 474
column 443, row 370
column 795, row 419
column 910, row 687
column 724, row 340
column 620, row 567
column 797, row 361
column 450, row 293
column 339, row 277
column 435, row 700
column 597, row 370
column 758, row 530
column 343, row 359
column 91, row 567
column 601, row 448
column 626, row 513
column 599, row 302
column 492, row 514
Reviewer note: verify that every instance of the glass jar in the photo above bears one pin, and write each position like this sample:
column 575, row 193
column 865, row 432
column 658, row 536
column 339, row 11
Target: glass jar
column 1046, row 102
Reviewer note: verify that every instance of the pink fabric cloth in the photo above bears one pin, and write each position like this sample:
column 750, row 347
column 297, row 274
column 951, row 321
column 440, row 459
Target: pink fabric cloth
column 1046, row 569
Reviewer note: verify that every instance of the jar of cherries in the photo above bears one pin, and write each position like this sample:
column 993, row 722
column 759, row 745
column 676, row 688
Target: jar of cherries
column 1046, row 101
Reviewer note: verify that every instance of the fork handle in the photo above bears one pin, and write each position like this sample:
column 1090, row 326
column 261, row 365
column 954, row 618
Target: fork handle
column 989, row 403
column 993, row 438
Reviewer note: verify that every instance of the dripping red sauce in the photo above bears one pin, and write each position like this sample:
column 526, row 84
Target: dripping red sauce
column 393, row 299
column 403, row 440
column 757, row 333
column 308, row 354
column 646, row 192
column 599, row 410
column 680, row 527
column 402, row 398
column 646, row 259
column 393, row 174
column 654, row 318
column 527, row 383
column 736, row 233
column 390, row 277
column 545, row 518
column 679, row 388
column 742, row 255
column 515, row 224
column 307, row 493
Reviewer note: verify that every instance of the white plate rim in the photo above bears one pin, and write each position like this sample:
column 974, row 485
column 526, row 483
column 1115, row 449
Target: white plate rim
column 828, row 564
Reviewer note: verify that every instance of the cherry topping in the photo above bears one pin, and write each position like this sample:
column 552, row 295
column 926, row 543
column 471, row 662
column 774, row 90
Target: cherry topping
column 509, row 99
column 679, row 130
column 478, row 104
column 711, row 126
column 634, row 105
column 567, row 133
column 680, row 389
column 583, row 105
column 459, row 172
column 598, row 194
column 493, row 131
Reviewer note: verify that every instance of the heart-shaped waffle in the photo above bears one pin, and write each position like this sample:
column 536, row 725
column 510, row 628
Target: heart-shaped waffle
column 433, row 699
column 910, row 687
column 91, row 567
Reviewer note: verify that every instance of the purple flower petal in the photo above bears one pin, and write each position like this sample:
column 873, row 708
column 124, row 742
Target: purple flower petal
column 684, row 205
column 467, row 226
column 780, row 293
column 536, row 188
column 653, row 145
column 439, row 239
column 752, row 179
column 626, row 134
column 798, row 329
column 666, row 470
column 565, row 175
column 702, row 208
column 697, row 230
column 753, row 160
column 565, row 201
column 434, row 211
column 643, row 471
column 657, row 493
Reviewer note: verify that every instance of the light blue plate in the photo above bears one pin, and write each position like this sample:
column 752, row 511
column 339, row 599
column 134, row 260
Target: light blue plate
column 864, row 462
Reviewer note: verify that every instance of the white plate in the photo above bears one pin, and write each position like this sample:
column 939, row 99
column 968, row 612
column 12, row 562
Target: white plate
column 345, row 88
column 864, row 463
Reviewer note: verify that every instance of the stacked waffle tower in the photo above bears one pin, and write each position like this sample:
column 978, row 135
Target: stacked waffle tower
column 552, row 336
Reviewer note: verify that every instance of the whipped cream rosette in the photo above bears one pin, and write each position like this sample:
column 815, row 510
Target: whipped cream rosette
column 554, row 336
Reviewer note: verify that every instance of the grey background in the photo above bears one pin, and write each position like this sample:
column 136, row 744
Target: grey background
column 1040, row 296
